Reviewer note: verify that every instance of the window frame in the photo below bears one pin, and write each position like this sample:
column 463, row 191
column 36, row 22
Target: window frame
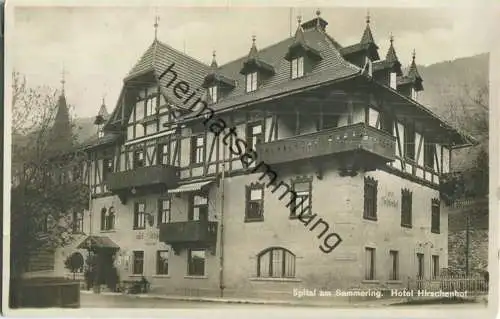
column 160, row 267
column 370, row 271
column 161, row 154
column 409, row 142
column 162, row 212
column 259, row 137
column 135, row 259
column 406, row 208
column 249, row 201
column 138, row 213
column 135, row 158
column 435, row 266
column 435, row 216
column 193, row 205
column 197, row 151
column 286, row 263
column 251, row 81
column 370, row 194
column 394, row 274
column 429, row 148
column 393, row 80
column 308, row 202
column 190, row 266
column 213, row 92
column 297, row 67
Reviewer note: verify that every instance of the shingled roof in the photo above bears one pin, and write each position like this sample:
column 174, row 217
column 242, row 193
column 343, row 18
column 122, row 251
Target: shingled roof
column 331, row 67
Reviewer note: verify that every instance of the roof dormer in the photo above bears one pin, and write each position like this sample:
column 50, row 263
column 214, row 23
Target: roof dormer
column 255, row 69
column 411, row 83
column 366, row 48
column 217, row 84
column 300, row 54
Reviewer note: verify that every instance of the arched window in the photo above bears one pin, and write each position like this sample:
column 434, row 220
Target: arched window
column 276, row 262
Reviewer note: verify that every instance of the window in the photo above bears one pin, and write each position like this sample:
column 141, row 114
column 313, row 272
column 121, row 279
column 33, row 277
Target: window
column 162, row 262
column 151, row 105
column 276, row 262
column 254, row 134
column 409, row 136
column 393, row 80
column 107, row 167
column 138, row 263
column 78, row 222
column 139, row 158
column 386, row 123
column 429, row 153
column 420, row 265
column 370, row 198
column 196, row 262
column 100, row 133
column 108, row 218
column 199, row 208
column 435, row 266
column 373, row 118
column 370, row 263
column 406, row 208
column 302, row 202
column 164, row 206
column 297, row 67
column 254, row 203
column 198, row 150
column 435, row 216
column 251, row 81
column 140, row 216
column 163, row 154
column 394, row 275
column 212, row 91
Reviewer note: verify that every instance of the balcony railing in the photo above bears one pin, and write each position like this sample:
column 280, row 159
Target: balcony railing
column 339, row 140
column 142, row 177
column 193, row 233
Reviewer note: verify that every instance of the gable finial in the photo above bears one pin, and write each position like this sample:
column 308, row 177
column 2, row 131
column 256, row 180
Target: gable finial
column 318, row 12
column 299, row 19
column 157, row 19
column 253, row 39
column 413, row 55
column 367, row 16
column 391, row 38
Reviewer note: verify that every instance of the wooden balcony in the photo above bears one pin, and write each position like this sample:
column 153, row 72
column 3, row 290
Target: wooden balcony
column 189, row 234
column 357, row 145
column 137, row 180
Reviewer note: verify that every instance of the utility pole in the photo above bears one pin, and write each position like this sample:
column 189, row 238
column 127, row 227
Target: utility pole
column 221, row 221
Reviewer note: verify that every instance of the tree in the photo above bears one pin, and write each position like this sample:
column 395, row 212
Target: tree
column 470, row 112
column 47, row 168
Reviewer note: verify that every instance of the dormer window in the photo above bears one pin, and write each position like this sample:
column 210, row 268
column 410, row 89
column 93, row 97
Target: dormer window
column 251, row 81
column 212, row 91
column 297, row 67
column 393, row 80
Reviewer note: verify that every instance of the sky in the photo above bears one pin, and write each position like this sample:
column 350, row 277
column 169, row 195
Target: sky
column 98, row 46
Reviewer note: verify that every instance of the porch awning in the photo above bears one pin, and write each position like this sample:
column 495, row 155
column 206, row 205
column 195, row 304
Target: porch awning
column 98, row 242
column 193, row 187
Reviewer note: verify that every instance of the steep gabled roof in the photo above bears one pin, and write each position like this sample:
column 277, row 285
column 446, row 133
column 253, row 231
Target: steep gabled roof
column 331, row 67
column 156, row 60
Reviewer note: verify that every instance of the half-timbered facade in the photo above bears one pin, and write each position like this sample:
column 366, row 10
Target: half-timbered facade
column 181, row 176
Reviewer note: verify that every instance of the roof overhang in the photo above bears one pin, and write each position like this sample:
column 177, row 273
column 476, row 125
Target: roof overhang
column 461, row 139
